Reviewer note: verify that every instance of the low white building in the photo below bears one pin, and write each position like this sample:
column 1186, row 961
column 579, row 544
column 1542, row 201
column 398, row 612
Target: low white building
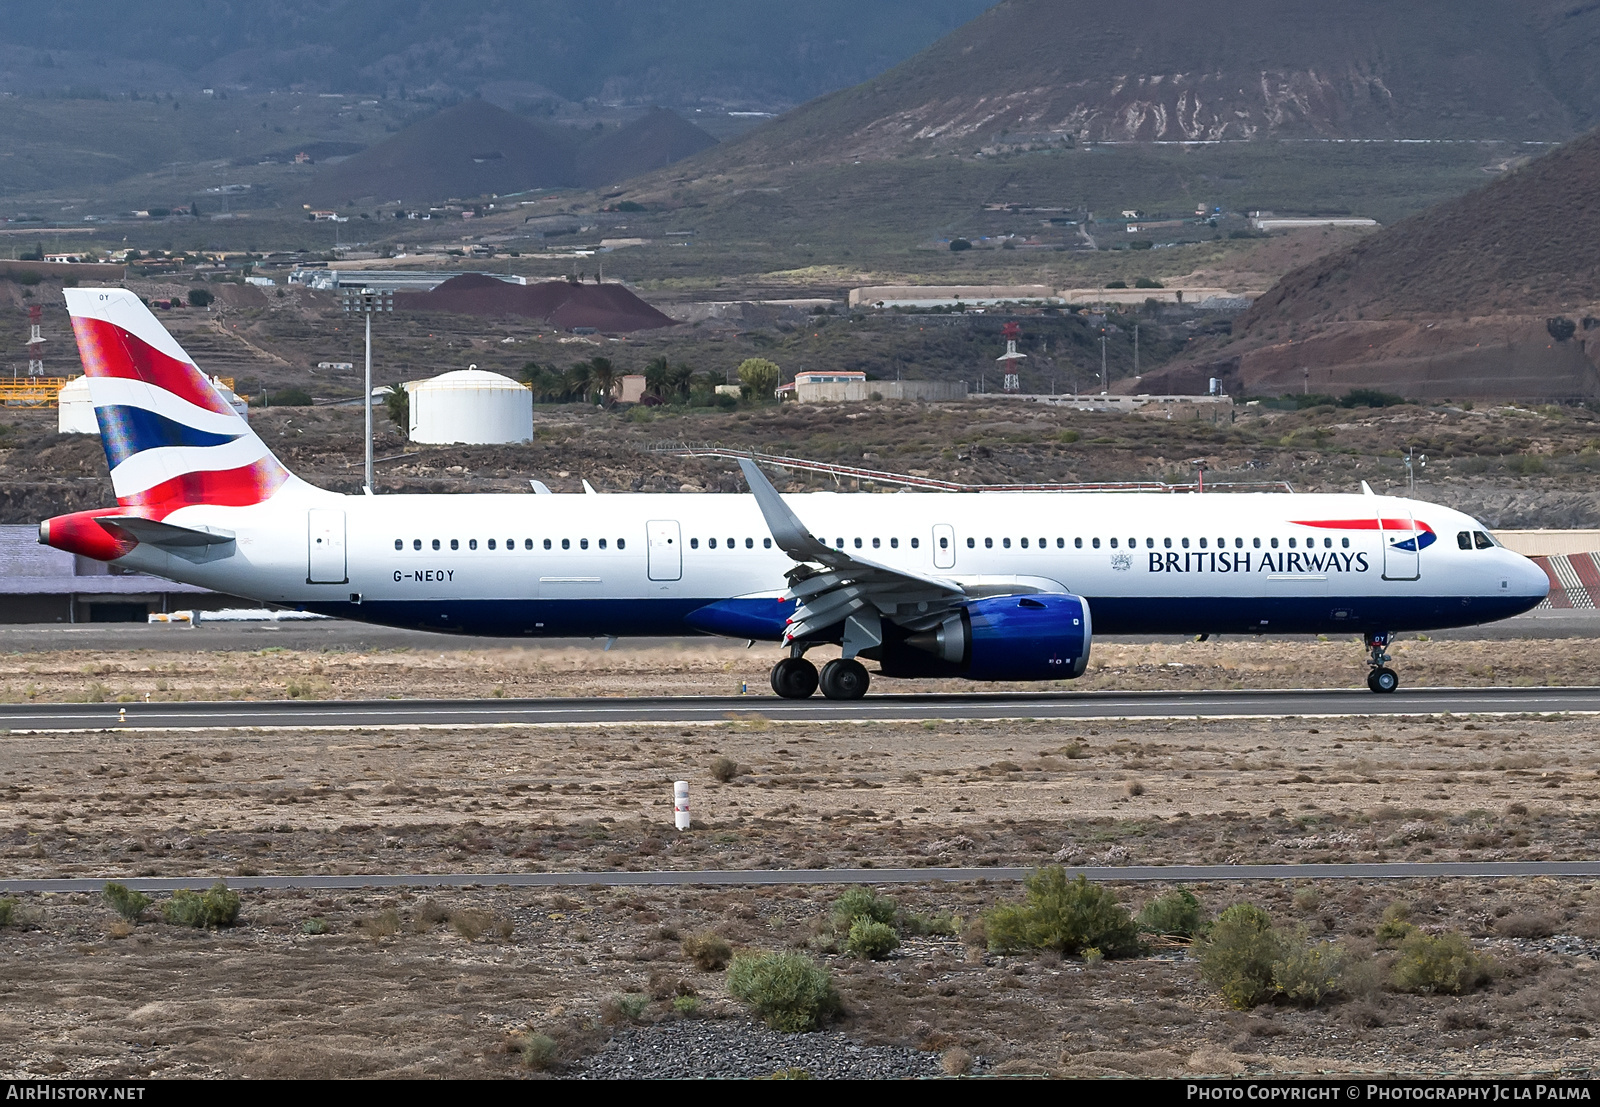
column 847, row 385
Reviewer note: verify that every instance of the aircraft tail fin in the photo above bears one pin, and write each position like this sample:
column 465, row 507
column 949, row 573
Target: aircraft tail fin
column 170, row 438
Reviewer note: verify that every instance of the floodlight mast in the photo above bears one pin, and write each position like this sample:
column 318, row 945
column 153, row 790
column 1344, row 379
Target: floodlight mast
column 366, row 301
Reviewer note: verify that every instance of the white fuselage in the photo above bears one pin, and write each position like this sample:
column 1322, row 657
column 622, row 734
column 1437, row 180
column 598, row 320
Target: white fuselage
column 637, row 564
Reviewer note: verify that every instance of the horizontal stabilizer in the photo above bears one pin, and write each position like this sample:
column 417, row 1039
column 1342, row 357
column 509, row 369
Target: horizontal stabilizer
column 151, row 533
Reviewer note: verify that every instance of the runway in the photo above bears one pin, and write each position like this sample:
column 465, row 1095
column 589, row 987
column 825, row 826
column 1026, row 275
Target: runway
column 1186, row 874
column 682, row 710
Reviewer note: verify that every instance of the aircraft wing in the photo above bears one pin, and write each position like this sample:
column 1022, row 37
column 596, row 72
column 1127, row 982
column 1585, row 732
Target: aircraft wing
column 831, row 586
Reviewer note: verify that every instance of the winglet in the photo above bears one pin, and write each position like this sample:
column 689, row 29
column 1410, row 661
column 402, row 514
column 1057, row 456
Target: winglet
column 787, row 530
column 1366, row 489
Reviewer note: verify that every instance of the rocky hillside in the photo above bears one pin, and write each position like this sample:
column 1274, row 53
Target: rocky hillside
column 1495, row 294
column 1043, row 71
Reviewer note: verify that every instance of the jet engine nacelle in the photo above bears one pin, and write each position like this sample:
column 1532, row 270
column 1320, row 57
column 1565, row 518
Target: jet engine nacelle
column 1044, row 636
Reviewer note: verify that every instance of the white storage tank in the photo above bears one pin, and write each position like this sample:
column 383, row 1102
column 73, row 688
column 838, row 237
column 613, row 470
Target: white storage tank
column 74, row 408
column 471, row 407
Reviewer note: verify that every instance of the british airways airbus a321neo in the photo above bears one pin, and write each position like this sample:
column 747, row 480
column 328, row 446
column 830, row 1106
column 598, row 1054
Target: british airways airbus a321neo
column 997, row 586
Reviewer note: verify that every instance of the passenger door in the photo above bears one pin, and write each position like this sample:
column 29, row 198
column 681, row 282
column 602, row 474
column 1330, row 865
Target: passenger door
column 325, row 554
column 944, row 546
column 665, row 545
column 1400, row 537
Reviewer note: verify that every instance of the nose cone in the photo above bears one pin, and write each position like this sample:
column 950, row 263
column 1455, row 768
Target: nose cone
column 1527, row 579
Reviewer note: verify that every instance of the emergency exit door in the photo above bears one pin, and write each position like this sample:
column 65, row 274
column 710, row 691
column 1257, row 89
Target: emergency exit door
column 665, row 547
column 944, row 546
column 325, row 556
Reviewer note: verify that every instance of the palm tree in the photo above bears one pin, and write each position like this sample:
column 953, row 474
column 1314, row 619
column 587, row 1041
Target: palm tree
column 602, row 378
column 658, row 377
column 580, row 382
column 682, row 378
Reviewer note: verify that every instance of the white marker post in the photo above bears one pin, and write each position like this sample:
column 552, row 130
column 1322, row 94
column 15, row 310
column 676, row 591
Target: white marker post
column 680, row 804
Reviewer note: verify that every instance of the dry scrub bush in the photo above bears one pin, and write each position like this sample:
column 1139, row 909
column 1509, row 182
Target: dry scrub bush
column 538, row 1051
column 616, row 1010
column 125, row 902
column 385, row 924
column 1528, row 924
column 1396, row 926
column 217, row 906
column 956, row 1062
column 8, row 909
column 724, row 769
column 870, row 940
column 1066, row 916
column 1445, row 963
column 1237, row 955
column 314, row 925
column 1309, row 973
column 1176, row 914
column 709, row 952
column 858, row 903
column 787, row 991
column 1250, row 961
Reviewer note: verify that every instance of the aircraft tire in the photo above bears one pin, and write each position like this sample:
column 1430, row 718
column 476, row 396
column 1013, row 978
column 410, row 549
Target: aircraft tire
column 844, row 679
column 1383, row 680
column 794, row 678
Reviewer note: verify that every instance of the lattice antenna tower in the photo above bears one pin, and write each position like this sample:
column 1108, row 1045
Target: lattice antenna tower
column 35, row 342
column 1008, row 360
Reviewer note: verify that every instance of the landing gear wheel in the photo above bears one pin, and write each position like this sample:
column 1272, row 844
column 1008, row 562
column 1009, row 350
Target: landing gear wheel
column 844, row 679
column 794, row 678
column 1383, row 680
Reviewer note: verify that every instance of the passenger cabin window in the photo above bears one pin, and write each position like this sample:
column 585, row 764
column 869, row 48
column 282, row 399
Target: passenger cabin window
column 491, row 543
column 566, row 543
column 1345, row 542
column 988, row 543
column 1061, row 543
column 1006, row 542
column 711, row 543
column 1257, row 542
column 894, row 543
column 622, row 543
column 436, row 543
column 971, row 542
column 602, row 543
column 1077, row 543
column 694, row 543
column 416, row 543
column 1274, row 543
column 1095, row 542
column 750, row 543
column 399, row 543
column 455, row 544
column 944, row 543
column 472, row 543
column 547, row 543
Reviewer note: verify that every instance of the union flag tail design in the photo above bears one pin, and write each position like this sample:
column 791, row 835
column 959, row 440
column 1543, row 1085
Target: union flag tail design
column 170, row 438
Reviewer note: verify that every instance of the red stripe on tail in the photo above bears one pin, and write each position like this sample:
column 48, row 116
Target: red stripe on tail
column 109, row 351
column 242, row 487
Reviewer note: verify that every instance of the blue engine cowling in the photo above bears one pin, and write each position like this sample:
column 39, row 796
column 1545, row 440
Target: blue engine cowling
column 1036, row 637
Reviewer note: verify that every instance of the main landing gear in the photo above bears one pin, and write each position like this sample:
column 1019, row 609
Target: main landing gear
column 1381, row 678
column 795, row 678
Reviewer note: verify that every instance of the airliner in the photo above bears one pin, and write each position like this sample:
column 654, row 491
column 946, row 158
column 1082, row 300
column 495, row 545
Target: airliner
column 987, row 586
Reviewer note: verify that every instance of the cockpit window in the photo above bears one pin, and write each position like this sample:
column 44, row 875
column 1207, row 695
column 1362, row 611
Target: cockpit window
column 1464, row 540
column 1482, row 540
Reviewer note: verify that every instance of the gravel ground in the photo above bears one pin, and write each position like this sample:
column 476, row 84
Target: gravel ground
column 738, row 1050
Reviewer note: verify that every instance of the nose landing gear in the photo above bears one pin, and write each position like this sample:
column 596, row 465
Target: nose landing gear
column 1381, row 678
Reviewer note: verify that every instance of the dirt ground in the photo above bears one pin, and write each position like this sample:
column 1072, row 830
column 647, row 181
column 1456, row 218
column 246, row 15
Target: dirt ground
column 436, row 984
column 191, row 671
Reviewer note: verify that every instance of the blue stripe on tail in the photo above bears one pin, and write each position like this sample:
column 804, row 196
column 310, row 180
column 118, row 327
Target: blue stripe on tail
column 125, row 431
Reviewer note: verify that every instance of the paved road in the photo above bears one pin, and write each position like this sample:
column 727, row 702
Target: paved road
column 1188, row 874
column 1268, row 703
